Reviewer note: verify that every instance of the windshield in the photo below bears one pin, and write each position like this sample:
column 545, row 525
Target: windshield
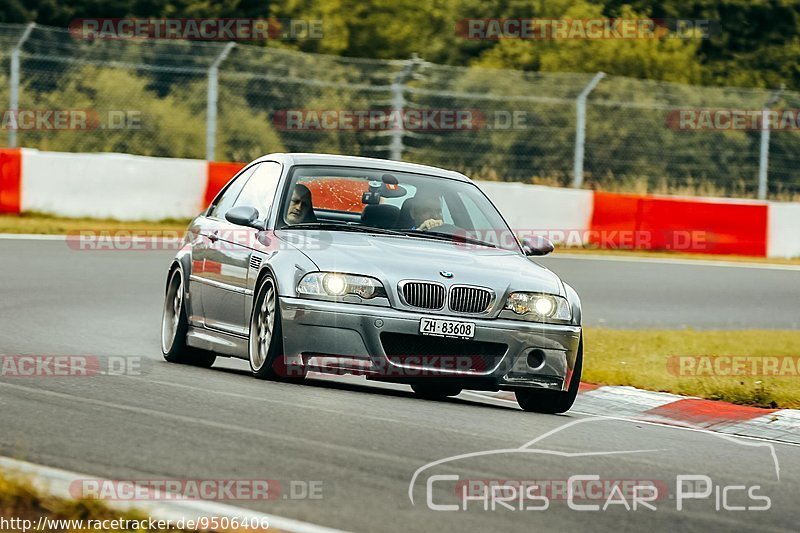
column 409, row 203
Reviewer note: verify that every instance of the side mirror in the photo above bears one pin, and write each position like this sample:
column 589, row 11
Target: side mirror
column 243, row 216
column 537, row 245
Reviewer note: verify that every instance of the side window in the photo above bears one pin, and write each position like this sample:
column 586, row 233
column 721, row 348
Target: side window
column 225, row 202
column 259, row 192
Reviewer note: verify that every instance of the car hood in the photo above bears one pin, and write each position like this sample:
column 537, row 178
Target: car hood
column 394, row 258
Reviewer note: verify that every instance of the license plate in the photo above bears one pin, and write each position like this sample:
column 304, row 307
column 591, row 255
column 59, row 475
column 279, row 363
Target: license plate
column 446, row 328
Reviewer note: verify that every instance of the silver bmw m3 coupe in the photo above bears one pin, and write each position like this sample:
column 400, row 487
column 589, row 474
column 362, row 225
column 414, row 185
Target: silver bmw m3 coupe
column 395, row 271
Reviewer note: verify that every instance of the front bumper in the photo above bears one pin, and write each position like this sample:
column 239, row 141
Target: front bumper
column 348, row 336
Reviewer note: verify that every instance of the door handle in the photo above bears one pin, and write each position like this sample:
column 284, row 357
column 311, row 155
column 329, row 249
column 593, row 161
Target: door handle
column 214, row 237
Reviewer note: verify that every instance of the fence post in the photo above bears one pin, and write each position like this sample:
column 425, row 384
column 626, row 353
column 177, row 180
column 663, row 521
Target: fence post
column 763, row 159
column 211, row 102
column 13, row 98
column 580, row 130
column 398, row 106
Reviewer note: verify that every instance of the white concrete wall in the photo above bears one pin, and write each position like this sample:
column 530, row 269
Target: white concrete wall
column 120, row 186
column 561, row 214
column 783, row 230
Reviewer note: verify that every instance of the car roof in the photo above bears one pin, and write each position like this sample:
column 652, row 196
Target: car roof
column 365, row 162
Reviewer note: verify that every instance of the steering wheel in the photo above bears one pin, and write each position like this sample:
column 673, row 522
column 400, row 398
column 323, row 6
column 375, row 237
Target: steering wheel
column 450, row 229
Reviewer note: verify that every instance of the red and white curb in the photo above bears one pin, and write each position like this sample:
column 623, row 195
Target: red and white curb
column 56, row 483
column 782, row 425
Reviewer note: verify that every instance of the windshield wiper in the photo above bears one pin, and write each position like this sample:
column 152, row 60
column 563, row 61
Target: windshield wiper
column 438, row 235
column 332, row 226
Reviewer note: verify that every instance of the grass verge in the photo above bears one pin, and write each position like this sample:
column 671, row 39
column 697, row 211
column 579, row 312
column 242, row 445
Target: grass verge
column 651, row 359
column 39, row 224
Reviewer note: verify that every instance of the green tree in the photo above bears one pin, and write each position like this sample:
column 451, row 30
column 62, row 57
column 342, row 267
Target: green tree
column 668, row 59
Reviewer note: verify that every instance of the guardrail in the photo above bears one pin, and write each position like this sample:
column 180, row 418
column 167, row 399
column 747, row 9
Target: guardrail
column 131, row 187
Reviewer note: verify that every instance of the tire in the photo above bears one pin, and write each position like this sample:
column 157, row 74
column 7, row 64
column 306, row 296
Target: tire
column 265, row 345
column 553, row 402
column 175, row 325
column 435, row 391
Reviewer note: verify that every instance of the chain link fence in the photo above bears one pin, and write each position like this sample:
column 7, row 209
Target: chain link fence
column 235, row 102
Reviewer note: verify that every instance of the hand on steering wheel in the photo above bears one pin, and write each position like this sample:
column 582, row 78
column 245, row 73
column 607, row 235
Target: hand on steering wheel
column 430, row 224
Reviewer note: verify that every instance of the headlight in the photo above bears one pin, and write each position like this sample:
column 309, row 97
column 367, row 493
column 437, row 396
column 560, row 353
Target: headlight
column 539, row 307
column 336, row 284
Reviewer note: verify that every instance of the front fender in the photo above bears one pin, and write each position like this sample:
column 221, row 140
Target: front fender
column 287, row 265
column 575, row 303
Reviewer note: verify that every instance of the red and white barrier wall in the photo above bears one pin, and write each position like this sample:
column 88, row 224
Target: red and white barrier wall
column 715, row 226
column 121, row 186
column 128, row 187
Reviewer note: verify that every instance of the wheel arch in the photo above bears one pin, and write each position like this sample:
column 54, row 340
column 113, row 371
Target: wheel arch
column 575, row 304
column 265, row 270
column 184, row 263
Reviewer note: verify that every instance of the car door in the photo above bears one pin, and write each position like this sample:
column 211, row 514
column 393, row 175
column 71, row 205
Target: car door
column 228, row 257
column 204, row 263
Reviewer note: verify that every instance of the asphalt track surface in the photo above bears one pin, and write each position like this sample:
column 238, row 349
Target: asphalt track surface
column 681, row 294
column 364, row 442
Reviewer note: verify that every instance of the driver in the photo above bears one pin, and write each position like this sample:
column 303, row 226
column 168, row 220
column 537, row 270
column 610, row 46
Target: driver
column 300, row 206
column 426, row 212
